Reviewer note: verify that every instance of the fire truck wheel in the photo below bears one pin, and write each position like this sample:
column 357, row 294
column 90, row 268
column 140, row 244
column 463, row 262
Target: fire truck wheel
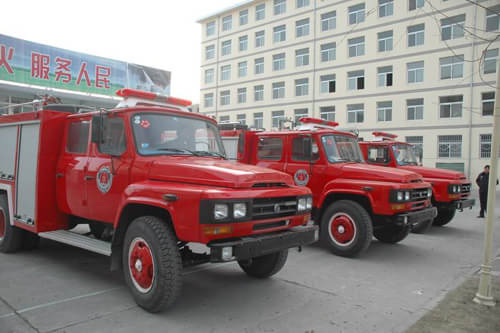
column 152, row 263
column 346, row 228
column 391, row 234
column 445, row 215
column 11, row 238
column 264, row 266
column 422, row 227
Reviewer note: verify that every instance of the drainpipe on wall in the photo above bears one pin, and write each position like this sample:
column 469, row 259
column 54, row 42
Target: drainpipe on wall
column 471, row 105
column 314, row 61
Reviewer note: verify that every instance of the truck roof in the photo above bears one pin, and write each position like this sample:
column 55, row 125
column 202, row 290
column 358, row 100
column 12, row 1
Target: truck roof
column 384, row 143
column 316, row 131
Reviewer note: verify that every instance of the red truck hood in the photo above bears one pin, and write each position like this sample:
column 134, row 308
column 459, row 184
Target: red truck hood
column 212, row 172
column 434, row 172
column 365, row 171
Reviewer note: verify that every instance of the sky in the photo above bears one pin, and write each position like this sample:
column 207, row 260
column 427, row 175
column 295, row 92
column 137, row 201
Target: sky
column 162, row 34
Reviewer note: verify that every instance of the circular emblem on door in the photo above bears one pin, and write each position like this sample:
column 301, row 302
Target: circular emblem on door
column 301, row 177
column 104, row 179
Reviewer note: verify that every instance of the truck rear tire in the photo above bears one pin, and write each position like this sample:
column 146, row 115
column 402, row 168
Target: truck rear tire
column 422, row 227
column 445, row 215
column 152, row 263
column 346, row 227
column 11, row 237
column 264, row 266
column 392, row 234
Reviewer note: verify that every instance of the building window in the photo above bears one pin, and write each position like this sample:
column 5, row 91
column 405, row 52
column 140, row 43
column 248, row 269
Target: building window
column 384, row 76
column 227, row 23
column 301, row 87
column 278, row 90
column 302, row 3
column 490, row 61
column 357, row 14
column 210, row 28
column 259, row 38
column 493, row 18
column 260, row 12
column 327, row 113
column 385, row 8
column 242, row 69
column 450, row 106
column 415, row 109
column 277, row 118
column 242, row 95
column 225, row 73
column 241, row 118
column 225, row 97
column 209, row 100
column 488, row 103
column 452, row 67
column 300, row 113
column 355, row 113
column 414, row 4
column 258, row 93
column 279, row 33
column 209, row 52
column 416, row 35
column 356, row 80
column 302, row 27
column 223, row 119
column 415, row 71
column 226, row 47
column 302, row 57
column 418, row 145
column 384, row 111
column 356, row 46
column 244, row 17
column 279, row 7
column 279, row 62
column 385, row 41
column 484, row 145
column 243, row 43
column 258, row 120
column 259, row 65
column 327, row 83
column 328, row 52
column 450, row 146
column 452, row 27
column 209, row 75
column 328, row 21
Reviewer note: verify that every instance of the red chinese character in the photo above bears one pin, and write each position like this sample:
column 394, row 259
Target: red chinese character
column 40, row 65
column 63, row 70
column 83, row 72
column 4, row 57
column 102, row 74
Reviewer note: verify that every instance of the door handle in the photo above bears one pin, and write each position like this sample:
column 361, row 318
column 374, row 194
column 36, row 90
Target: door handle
column 59, row 175
column 88, row 178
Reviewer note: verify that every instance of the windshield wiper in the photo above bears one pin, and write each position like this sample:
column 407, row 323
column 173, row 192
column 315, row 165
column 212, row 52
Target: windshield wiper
column 209, row 153
column 177, row 150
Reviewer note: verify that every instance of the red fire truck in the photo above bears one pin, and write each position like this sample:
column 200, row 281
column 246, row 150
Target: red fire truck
column 352, row 200
column 149, row 178
column 450, row 189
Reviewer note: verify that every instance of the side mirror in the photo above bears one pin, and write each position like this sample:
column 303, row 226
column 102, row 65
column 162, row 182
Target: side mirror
column 97, row 127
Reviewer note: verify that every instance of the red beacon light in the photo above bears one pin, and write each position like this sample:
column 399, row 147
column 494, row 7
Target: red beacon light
column 134, row 97
column 315, row 123
column 384, row 136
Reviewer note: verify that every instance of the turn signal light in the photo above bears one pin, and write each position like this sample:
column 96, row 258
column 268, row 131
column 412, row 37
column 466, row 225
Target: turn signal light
column 213, row 231
column 398, row 207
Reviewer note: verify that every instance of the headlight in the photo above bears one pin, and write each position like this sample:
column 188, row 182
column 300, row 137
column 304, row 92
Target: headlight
column 239, row 210
column 407, row 196
column 302, row 204
column 429, row 192
column 220, row 211
column 309, row 203
column 400, row 196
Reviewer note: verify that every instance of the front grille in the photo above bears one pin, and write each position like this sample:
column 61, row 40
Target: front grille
column 419, row 194
column 465, row 188
column 268, row 208
column 261, row 185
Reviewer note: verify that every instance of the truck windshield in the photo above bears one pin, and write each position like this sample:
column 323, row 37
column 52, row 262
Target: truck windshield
column 340, row 148
column 165, row 134
column 404, row 155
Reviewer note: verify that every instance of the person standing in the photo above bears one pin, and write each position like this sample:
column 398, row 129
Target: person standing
column 482, row 181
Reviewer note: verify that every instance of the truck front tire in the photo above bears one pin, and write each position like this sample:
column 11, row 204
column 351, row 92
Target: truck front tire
column 445, row 215
column 11, row 237
column 152, row 263
column 391, row 234
column 264, row 266
column 346, row 227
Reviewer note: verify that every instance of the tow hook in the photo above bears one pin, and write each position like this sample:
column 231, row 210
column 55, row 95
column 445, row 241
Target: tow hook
column 299, row 249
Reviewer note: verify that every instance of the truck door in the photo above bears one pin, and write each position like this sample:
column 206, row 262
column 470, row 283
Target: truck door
column 302, row 162
column 270, row 152
column 107, row 174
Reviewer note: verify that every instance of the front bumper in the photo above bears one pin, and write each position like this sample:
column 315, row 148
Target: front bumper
column 259, row 245
column 412, row 218
column 465, row 203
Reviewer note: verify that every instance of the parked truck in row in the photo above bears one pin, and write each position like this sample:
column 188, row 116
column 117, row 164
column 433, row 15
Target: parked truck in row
column 352, row 200
column 450, row 189
column 149, row 178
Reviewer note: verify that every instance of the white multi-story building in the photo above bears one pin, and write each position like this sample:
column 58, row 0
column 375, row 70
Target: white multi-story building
column 422, row 69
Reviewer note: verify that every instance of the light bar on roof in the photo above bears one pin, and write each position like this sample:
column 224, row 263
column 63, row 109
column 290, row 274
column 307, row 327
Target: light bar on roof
column 150, row 96
column 317, row 121
column 384, row 135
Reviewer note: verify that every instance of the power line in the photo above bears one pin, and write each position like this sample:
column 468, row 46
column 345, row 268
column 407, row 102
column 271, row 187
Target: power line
column 488, row 9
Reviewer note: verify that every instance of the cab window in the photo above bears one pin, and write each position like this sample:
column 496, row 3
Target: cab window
column 301, row 149
column 113, row 141
column 78, row 137
column 378, row 155
column 270, row 149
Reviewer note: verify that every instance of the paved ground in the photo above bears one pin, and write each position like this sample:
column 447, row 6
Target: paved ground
column 62, row 289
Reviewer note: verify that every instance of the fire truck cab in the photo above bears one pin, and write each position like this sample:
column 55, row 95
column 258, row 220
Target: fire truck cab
column 352, row 200
column 450, row 189
column 149, row 178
